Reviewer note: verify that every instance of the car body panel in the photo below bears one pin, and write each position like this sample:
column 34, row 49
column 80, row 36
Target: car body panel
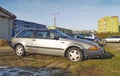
column 78, row 36
column 44, row 46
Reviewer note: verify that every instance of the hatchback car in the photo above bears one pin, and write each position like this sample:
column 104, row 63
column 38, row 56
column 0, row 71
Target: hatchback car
column 112, row 39
column 89, row 35
column 54, row 42
column 82, row 37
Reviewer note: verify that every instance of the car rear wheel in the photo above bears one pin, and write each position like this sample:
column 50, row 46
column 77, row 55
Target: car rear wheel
column 19, row 50
column 74, row 54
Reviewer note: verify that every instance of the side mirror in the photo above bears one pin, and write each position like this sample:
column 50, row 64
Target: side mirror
column 56, row 37
column 78, row 37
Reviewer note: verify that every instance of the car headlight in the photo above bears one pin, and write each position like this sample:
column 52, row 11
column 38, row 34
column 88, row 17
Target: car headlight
column 93, row 48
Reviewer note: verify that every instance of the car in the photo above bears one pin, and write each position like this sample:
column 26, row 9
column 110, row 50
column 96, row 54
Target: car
column 82, row 37
column 112, row 39
column 89, row 35
column 54, row 42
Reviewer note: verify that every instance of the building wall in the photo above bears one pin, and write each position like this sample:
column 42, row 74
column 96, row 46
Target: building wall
column 19, row 25
column 5, row 26
column 108, row 24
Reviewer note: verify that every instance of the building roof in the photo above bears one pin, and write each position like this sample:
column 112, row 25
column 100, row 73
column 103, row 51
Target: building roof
column 7, row 13
column 114, row 16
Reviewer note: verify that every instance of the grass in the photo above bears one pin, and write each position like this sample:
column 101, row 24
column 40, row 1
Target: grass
column 107, row 65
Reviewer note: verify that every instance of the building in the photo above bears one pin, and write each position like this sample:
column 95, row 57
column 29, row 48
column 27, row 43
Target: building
column 67, row 31
column 108, row 24
column 19, row 25
column 6, row 20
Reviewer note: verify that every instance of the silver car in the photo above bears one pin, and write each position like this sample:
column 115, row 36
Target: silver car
column 112, row 39
column 54, row 42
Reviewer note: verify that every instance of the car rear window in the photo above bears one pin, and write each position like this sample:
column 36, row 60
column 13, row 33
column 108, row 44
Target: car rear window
column 25, row 34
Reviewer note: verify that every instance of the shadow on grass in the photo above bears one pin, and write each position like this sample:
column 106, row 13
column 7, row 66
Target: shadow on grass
column 107, row 55
column 102, row 45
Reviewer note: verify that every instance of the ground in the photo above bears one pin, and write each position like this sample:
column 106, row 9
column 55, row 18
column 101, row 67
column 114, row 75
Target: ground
column 106, row 65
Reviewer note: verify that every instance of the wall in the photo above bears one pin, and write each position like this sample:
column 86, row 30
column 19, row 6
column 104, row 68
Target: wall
column 19, row 25
column 5, row 26
column 108, row 24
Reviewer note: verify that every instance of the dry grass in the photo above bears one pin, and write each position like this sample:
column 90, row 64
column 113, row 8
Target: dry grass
column 107, row 65
column 3, row 42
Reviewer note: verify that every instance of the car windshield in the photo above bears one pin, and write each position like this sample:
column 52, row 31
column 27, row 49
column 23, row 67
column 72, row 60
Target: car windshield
column 60, row 34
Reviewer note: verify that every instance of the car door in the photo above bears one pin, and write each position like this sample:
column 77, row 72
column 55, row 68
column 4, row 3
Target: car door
column 25, row 38
column 110, row 39
column 117, row 39
column 44, row 43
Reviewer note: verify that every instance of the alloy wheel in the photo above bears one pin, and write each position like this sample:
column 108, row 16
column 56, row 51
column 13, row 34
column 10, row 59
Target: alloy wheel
column 19, row 50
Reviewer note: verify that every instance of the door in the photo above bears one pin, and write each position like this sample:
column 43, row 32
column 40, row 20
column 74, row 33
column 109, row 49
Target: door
column 112, row 39
column 25, row 37
column 44, row 42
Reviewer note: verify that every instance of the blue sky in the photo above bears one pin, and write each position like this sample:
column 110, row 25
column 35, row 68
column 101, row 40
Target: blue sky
column 74, row 14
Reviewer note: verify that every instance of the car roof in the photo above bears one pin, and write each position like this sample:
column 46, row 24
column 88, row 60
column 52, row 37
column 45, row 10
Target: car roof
column 36, row 29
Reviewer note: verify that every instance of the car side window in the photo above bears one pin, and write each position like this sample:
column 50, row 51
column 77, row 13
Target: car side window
column 42, row 34
column 74, row 36
column 25, row 34
column 52, row 35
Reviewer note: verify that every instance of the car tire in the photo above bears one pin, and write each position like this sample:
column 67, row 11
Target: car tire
column 74, row 54
column 20, row 50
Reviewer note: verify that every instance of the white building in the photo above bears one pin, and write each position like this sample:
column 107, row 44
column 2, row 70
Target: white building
column 6, row 23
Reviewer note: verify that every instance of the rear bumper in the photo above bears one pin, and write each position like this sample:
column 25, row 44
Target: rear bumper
column 91, row 54
column 11, row 45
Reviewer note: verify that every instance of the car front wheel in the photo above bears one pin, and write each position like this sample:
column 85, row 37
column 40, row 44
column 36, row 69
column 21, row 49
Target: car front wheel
column 74, row 54
column 19, row 50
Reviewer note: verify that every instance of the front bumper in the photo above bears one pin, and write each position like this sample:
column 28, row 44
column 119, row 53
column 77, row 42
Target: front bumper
column 91, row 54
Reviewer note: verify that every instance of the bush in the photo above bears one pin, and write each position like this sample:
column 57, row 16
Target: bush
column 3, row 42
column 105, row 35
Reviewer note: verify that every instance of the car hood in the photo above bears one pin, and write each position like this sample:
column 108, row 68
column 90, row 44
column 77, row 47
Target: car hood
column 81, row 42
